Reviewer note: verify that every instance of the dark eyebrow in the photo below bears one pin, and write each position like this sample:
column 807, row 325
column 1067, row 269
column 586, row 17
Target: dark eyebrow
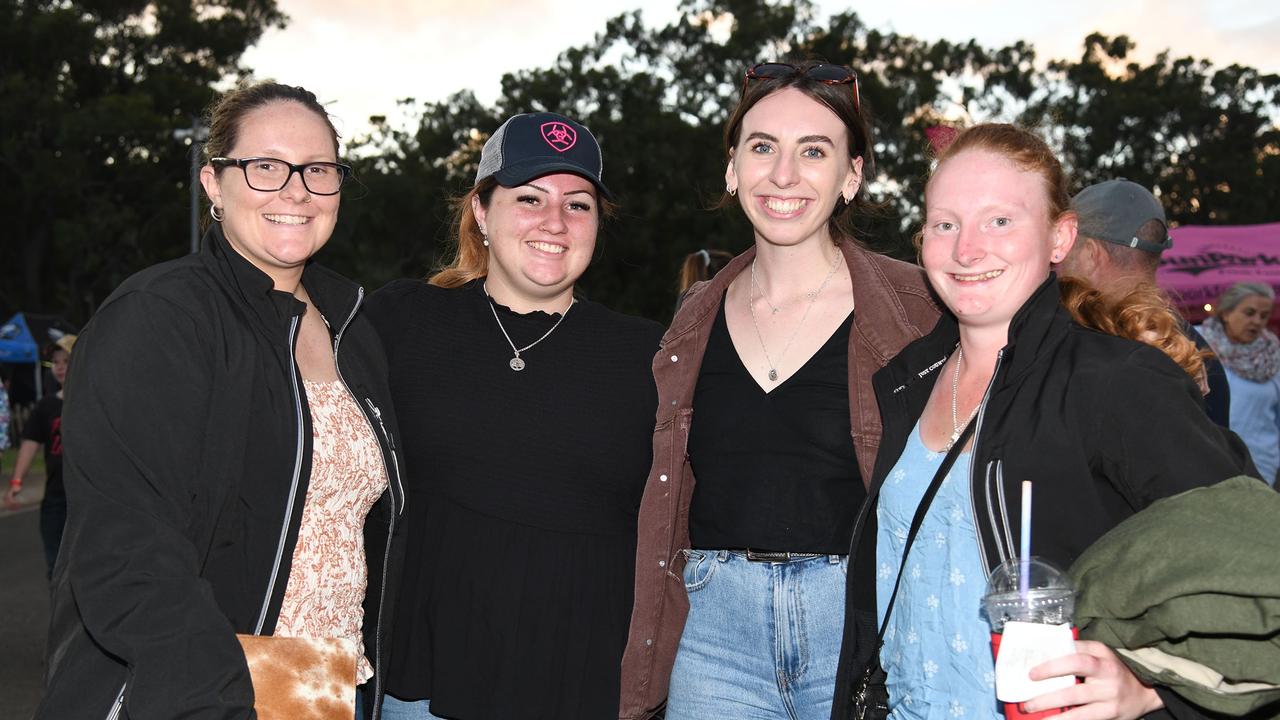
column 801, row 141
column 571, row 192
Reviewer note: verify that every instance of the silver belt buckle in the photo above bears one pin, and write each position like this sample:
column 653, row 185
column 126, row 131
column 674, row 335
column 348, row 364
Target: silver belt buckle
column 760, row 556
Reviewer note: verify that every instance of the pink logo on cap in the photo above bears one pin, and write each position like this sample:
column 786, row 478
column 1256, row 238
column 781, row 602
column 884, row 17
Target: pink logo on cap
column 559, row 136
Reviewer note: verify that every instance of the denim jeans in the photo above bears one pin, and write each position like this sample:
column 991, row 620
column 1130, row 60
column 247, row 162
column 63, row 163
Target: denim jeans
column 393, row 709
column 762, row 641
column 53, row 519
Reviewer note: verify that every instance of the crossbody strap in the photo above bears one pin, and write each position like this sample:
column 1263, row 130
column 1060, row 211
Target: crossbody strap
column 921, row 510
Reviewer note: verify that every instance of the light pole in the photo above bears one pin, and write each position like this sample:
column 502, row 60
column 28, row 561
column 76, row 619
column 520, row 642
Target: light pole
column 195, row 137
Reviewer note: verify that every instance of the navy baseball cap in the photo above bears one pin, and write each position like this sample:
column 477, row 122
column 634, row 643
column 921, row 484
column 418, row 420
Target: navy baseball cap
column 535, row 144
column 1114, row 211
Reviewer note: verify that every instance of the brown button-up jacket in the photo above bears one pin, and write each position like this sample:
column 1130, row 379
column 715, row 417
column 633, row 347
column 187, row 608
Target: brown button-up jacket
column 893, row 305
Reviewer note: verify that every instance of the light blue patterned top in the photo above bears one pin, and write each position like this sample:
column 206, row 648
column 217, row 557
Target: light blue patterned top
column 937, row 648
column 4, row 418
column 1255, row 417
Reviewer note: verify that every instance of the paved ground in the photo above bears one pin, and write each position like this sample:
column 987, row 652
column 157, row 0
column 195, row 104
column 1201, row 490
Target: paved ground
column 24, row 601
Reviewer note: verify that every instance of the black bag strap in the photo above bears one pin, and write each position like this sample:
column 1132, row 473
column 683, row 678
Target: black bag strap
column 921, row 510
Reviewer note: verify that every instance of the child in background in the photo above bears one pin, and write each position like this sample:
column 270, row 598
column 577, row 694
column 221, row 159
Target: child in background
column 44, row 429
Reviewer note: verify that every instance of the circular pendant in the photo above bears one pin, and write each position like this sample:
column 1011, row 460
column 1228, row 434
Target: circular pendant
column 516, row 364
column 773, row 375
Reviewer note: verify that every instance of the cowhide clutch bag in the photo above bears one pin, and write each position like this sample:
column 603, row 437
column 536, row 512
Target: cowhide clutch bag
column 301, row 678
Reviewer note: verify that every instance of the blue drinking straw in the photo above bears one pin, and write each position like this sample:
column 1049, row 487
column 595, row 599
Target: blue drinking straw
column 1024, row 570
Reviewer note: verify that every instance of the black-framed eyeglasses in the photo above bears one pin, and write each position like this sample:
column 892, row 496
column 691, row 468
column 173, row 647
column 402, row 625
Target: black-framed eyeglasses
column 822, row 72
column 266, row 174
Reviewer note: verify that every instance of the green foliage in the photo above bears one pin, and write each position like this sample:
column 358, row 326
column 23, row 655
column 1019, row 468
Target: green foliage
column 1205, row 138
column 658, row 97
column 90, row 95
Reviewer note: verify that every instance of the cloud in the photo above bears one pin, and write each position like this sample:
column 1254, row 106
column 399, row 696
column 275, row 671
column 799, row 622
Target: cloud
column 1223, row 32
column 364, row 57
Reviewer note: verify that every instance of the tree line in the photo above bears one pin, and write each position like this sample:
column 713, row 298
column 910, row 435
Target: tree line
column 92, row 93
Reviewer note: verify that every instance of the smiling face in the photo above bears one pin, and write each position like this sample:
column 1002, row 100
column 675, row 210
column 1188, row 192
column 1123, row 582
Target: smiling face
column 276, row 231
column 541, row 237
column 988, row 238
column 791, row 166
column 1245, row 321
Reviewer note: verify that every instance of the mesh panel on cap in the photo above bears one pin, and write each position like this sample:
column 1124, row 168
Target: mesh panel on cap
column 491, row 155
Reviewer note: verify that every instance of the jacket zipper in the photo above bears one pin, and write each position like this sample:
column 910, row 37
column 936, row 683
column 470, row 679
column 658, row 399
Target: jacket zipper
column 118, row 705
column 391, row 444
column 293, row 486
column 378, row 675
column 977, row 434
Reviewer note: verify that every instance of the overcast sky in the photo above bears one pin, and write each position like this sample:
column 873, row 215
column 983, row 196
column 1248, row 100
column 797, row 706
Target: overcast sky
column 361, row 56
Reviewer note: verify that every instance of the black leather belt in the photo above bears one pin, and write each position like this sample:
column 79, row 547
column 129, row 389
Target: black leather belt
column 771, row 556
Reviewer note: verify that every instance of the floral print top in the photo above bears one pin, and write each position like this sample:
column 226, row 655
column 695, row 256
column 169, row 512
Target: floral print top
column 325, row 594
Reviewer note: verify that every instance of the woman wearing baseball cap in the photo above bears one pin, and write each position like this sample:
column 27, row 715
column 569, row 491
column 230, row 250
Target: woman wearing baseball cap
column 527, row 415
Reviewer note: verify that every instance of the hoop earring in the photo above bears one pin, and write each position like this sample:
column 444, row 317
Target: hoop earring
column 733, row 191
column 213, row 211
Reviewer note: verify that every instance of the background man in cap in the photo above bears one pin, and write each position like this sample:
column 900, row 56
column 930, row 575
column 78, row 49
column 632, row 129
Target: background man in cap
column 1122, row 234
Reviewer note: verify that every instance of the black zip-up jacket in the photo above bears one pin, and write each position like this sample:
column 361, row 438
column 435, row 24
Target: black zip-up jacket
column 1102, row 425
column 187, row 458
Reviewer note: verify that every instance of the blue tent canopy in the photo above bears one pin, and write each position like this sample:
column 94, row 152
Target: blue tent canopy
column 22, row 337
column 17, row 344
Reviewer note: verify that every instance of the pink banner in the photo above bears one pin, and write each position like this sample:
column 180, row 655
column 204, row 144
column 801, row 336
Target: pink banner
column 1206, row 260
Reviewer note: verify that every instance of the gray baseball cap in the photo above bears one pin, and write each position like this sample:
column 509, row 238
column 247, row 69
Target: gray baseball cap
column 535, row 144
column 1114, row 211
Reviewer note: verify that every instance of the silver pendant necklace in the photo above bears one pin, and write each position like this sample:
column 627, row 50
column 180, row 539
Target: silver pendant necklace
column 812, row 296
column 956, row 427
column 517, row 363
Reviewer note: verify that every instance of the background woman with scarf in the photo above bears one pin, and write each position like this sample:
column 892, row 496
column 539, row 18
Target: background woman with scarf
column 1238, row 333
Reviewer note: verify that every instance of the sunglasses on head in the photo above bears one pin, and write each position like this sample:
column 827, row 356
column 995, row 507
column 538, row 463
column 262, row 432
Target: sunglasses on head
column 822, row 72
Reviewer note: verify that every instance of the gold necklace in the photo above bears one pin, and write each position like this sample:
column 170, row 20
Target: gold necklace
column 813, row 297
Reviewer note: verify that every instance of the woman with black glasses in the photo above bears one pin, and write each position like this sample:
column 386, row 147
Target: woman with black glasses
column 230, row 464
column 740, row 580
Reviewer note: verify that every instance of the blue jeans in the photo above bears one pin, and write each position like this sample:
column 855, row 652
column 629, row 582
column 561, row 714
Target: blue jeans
column 762, row 641
column 393, row 709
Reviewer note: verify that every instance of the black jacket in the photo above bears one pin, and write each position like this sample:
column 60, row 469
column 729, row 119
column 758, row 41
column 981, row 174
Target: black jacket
column 1102, row 425
column 187, row 458
column 1218, row 401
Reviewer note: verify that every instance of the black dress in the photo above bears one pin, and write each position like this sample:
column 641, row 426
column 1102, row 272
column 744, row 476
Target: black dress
column 522, row 493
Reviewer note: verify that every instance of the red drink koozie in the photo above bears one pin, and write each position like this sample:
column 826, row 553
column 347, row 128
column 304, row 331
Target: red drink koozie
column 1013, row 710
column 1029, row 605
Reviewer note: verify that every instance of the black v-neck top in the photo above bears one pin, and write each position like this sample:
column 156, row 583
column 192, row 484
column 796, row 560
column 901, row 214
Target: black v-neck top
column 776, row 470
column 522, row 491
